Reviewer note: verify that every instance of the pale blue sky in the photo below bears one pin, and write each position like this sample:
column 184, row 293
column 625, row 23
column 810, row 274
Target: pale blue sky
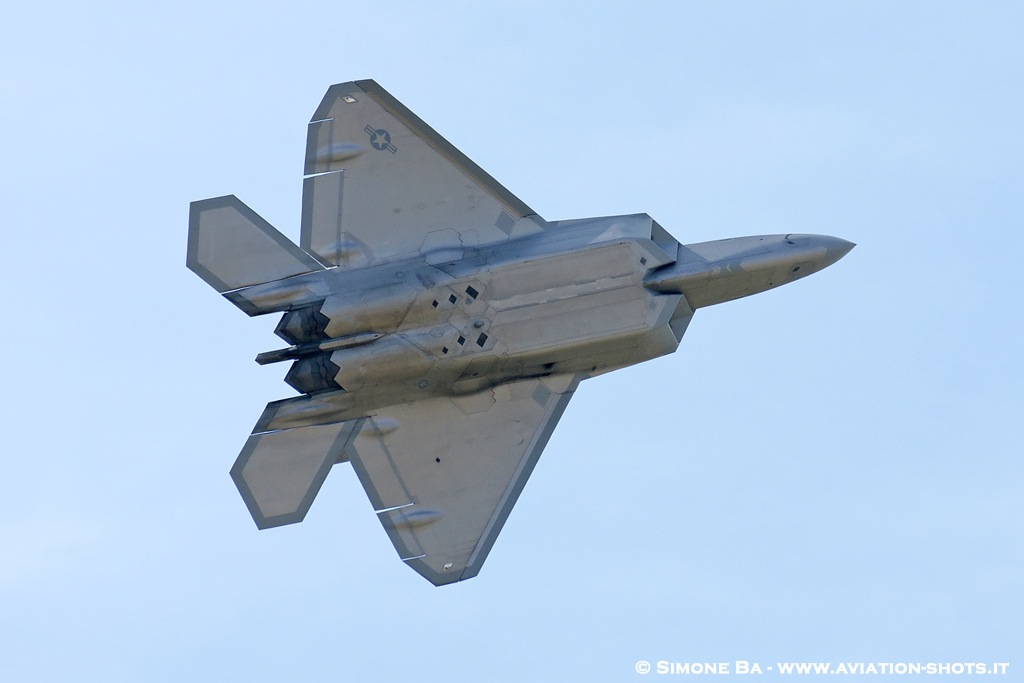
column 830, row 471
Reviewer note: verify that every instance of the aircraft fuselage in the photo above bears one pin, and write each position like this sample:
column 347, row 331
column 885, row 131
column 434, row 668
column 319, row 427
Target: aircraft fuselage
column 584, row 298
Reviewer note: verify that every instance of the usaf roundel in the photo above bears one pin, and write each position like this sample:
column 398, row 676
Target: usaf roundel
column 380, row 139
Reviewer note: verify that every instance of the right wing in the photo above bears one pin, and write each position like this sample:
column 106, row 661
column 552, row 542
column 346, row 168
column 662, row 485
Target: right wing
column 382, row 185
column 443, row 473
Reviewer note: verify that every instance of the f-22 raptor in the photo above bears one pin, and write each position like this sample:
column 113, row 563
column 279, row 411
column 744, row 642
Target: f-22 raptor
column 437, row 326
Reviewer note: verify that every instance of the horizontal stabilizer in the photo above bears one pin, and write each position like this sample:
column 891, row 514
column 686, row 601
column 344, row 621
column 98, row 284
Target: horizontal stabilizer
column 280, row 473
column 230, row 246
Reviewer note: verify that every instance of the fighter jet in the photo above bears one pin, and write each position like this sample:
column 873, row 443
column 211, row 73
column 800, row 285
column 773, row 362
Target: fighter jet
column 437, row 326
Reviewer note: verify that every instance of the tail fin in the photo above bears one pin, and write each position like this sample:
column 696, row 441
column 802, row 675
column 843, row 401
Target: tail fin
column 230, row 246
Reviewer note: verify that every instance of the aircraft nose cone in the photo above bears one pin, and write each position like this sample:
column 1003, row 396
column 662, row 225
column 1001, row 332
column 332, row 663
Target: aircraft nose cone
column 835, row 248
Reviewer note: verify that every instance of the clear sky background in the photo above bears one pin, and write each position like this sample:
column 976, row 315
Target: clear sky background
column 831, row 471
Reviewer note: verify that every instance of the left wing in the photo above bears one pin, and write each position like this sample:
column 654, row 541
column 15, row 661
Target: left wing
column 443, row 473
column 382, row 185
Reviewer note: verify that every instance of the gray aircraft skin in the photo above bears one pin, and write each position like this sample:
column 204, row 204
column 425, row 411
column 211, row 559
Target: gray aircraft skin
column 438, row 326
